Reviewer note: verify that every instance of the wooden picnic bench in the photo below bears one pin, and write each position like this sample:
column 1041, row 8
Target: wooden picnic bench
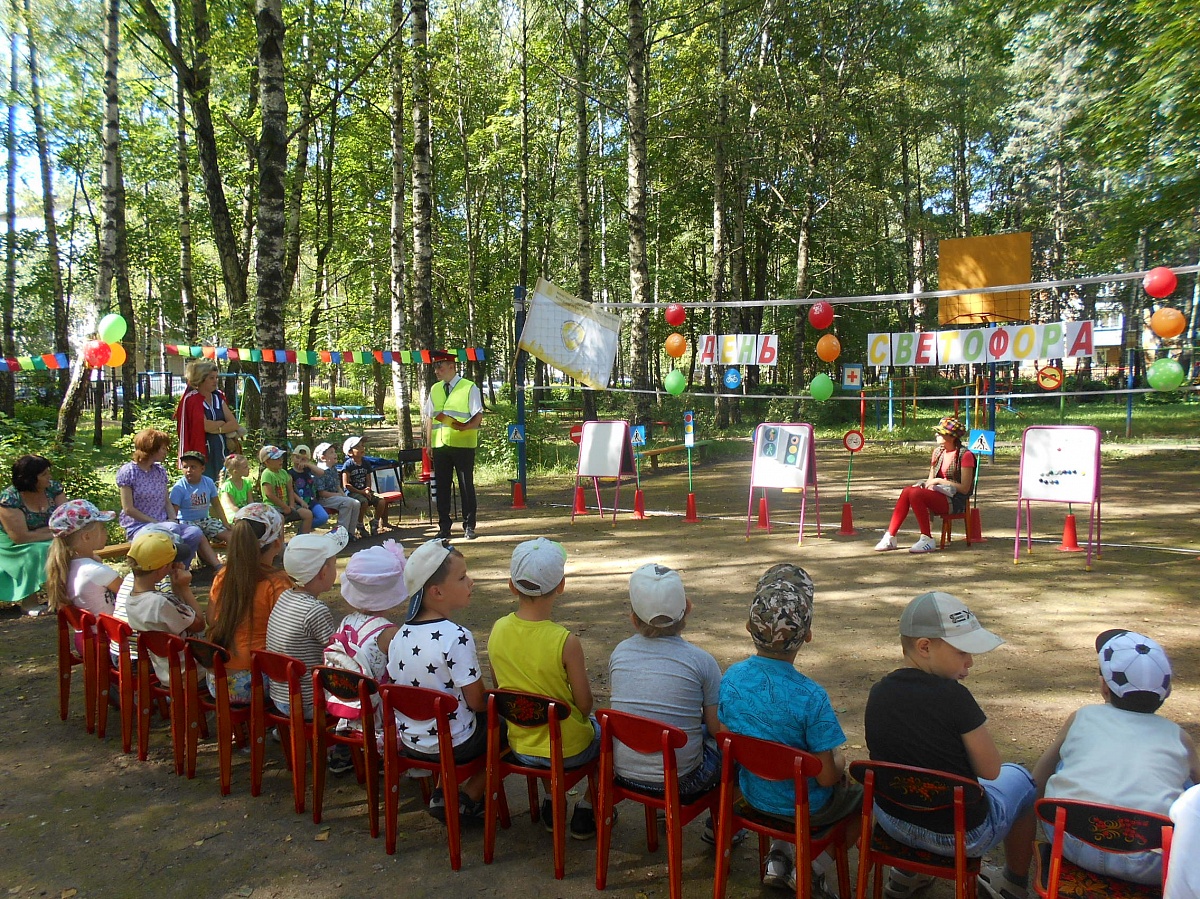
column 119, row 551
column 653, row 454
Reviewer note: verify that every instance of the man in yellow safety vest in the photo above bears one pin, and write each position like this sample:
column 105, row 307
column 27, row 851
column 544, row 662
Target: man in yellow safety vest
column 452, row 414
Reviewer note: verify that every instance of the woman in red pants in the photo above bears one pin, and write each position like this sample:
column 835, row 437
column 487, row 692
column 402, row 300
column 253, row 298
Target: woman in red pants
column 945, row 491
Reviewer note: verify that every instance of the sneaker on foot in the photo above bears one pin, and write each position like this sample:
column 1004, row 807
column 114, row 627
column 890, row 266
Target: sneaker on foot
column 437, row 805
column 583, row 823
column 781, row 873
column 924, row 544
column 887, row 542
column 469, row 533
column 374, row 527
column 994, row 882
column 903, row 884
column 340, row 760
column 709, row 835
column 470, row 810
column 547, row 815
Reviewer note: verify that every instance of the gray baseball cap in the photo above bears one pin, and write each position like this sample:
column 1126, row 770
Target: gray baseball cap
column 941, row 615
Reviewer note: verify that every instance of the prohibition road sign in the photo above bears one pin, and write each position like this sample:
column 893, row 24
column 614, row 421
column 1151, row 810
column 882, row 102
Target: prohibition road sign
column 1050, row 377
column 576, row 434
column 853, row 440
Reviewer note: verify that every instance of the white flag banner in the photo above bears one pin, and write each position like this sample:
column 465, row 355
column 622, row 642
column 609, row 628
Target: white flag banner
column 571, row 335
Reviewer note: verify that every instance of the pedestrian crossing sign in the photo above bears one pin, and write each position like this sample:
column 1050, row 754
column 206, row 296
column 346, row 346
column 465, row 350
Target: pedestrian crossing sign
column 516, row 434
column 982, row 443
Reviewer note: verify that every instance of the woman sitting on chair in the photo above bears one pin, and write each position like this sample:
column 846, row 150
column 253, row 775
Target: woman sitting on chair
column 945, row 492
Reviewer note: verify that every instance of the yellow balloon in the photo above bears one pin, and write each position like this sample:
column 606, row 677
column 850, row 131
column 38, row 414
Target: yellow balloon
column 117, row 356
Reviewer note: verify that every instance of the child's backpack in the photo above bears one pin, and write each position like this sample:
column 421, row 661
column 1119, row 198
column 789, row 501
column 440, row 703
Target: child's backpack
column 342, row 652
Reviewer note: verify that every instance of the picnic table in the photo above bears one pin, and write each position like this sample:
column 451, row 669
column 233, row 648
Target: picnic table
column 346, row 413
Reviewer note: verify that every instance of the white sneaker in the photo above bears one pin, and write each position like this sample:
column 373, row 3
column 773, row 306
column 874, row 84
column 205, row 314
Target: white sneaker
column 994, row 883
column 903, row 884
column 781, row 873
column 924, row 544
column 886, row 542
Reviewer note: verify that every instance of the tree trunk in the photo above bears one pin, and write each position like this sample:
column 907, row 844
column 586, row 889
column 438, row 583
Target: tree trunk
column 583, row 207
column 717, row 294
column 637, row 162
column 187, row 290
column 8, row 382
column 401, row 383
column 422, row 189
column 272, row 168
column 53, row 259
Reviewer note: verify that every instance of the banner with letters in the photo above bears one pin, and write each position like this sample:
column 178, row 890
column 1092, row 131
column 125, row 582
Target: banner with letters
column 1006, row 343
column 737, row 349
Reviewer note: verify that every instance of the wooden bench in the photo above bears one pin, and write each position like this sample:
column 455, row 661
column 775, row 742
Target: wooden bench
column 653, row 454
column 118, row 551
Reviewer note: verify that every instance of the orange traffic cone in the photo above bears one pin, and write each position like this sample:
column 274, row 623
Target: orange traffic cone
column 764, row 518
column 847, row 521
column 426, row 464
column 639, row 505
column 580, row 502
column 691, row 508
column 518, row 495
column 975, row 528
column 1070, row 542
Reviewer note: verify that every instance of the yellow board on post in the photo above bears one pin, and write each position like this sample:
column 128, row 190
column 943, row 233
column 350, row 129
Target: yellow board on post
column 992, row 261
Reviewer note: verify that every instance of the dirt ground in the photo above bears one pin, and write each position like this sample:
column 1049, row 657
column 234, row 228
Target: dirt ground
column 79, row 818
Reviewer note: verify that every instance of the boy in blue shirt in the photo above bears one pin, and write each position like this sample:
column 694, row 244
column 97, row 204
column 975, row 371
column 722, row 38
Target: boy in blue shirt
column 195, row 497
column 766, row 697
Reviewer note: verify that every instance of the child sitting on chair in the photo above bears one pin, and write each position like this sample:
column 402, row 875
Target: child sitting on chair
column 195, row 500
column 1121, row 752
column 531, row 653
column 765, row 696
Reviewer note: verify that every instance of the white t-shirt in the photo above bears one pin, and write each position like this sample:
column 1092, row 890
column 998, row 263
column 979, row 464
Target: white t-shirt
column 87, row 582
column 441, row 655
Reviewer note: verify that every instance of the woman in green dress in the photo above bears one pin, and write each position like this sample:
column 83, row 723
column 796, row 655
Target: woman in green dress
column 25, row 508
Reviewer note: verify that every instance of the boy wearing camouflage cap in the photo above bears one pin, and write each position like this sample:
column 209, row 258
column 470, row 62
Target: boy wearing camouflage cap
column 766, row 697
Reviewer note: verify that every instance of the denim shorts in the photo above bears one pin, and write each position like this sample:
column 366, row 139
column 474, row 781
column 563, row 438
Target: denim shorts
column 1009, row 796
column 574, row 761
column 1137, row 867
column 696, row 782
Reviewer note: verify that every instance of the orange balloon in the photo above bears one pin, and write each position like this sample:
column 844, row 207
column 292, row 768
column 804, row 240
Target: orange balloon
column 829, row 348
column 116, row 356
column 1168, row 322
column 676, row 345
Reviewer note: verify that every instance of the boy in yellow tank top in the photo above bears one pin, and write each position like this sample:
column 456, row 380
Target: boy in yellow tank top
column 531, row 653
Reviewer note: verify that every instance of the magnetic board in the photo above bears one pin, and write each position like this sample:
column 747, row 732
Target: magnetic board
column 604, row 450
column 1060, row 464
column 784, row 456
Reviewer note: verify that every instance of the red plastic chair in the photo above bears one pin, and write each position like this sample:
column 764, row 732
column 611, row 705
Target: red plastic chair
column 644, row 735
column 530, row 710
column 231, row 720
column 151, row 692
column 347, row 686
column 83, row 622
column 1107, row 827
column 422, row 704
column 972, row 510
column 111, row 630
column 295, row 733
column 775, row 761
column 920, row 790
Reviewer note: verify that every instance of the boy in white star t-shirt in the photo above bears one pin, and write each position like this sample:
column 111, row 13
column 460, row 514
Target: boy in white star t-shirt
column 430, row 650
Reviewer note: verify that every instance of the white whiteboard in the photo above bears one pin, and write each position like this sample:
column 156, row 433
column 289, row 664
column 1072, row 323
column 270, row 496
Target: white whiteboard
column 784, row 456
column 1060, row 464
column 604, row 450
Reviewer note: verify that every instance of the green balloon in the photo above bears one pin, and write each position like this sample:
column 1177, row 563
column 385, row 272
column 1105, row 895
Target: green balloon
column 1165, row 374
column 111, row 328
column 675, row 382
column 821, row 388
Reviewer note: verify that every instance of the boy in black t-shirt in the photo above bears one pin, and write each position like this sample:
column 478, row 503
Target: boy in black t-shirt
column 921, row 715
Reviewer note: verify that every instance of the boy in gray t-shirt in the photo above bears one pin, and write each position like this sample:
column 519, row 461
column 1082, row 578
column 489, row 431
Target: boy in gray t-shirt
column 657, row 674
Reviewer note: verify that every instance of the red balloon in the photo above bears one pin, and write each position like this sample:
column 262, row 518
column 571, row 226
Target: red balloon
column 820, row 315
column 675, row 314
column 96, row 353
column 1160, row 282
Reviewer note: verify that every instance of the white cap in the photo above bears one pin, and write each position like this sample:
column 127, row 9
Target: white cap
column 374, row 578
column 301, row 448
column 657, row 595
column 941, row 615
column 307, row 554
column 320, row 449
column 538, row 566
column 424, row 561
column 350, row 443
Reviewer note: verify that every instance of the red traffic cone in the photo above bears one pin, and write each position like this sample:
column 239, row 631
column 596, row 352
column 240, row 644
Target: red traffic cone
column 975, row 528
column 847, row 521
column 691, row 509
column 639, row 505
column 518, row 495
column 764, row 517
column 426, row 464
column 580, row 502
column 1070, row 542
